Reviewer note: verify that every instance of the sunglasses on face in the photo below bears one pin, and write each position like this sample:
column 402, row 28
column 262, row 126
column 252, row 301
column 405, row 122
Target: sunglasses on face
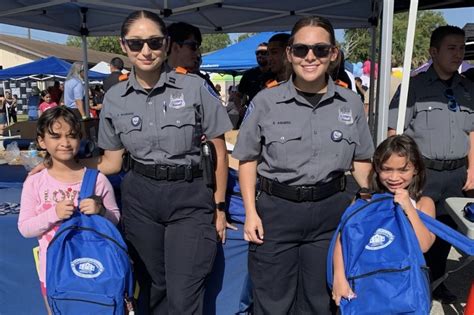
column 452, row 103
column 261, row 53
column 319, row 50
column 192, row 44
column 136, row 44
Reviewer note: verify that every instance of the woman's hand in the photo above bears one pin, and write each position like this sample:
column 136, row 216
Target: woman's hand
column 65, row 209
column 91, row 206
column 253, row 228
column 341, row 289
column 402, row 197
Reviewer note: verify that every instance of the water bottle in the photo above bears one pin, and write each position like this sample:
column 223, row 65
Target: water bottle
column 32, row 149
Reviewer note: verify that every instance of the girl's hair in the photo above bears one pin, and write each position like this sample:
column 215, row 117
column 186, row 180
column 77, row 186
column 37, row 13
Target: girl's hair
column 404, row 146
column 315, row 21
column 49, row 118
column 134, row 16
column 44, row 93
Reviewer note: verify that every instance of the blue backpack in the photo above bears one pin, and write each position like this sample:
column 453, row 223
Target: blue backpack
column 383, row 261
column 88, row 270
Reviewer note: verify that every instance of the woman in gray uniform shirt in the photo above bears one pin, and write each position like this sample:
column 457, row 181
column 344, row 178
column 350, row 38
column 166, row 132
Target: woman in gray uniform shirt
column 299, row 138
column 169, row 214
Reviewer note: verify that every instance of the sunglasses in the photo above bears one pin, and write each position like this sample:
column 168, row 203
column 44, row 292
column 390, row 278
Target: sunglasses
column 192, row 44
column 261, row 53
column 136, row 45
column 452, row 103
column 319, row 50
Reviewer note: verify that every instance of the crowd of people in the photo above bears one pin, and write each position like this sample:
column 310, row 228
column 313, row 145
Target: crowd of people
column 302, row 130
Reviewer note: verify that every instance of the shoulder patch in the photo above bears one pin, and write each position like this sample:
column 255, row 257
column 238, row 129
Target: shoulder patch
column 211, row 90
column 271, row 83
column 341, row 83
column 248, row 111
column 181, row 70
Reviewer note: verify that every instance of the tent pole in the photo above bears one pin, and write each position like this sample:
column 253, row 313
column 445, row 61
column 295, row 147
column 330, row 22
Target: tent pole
column 385, row 70
column 84, row 33
column 402, row 106
column 372, row 89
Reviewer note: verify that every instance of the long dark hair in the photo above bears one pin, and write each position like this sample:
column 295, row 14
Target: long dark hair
column 315, row 21
column 404, row 146
column 136, row 15
column 49, row 118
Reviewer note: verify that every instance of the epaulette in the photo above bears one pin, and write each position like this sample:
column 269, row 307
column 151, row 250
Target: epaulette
column 123, row 77
column 341, row 83
column 271, row 83
column 181, row 70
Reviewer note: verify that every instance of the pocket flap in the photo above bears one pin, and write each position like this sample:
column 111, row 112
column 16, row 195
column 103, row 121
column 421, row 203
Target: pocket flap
column 283, row 135
column 179, row 117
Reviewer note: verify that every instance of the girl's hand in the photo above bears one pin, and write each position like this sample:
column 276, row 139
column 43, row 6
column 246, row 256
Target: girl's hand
column 38, row 168
column 91, row 206
column 253, row 229
column 403, row 199
column 341, row 289
column 65, row 209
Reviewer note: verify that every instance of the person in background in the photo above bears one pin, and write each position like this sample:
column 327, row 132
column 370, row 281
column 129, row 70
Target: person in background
column 56, row 92
column 253, row 80
column 50, row 196
column 360, row 89
column 74, row 90
column 218, row 89
column 3, row 113
column 11, row 104
column 299, row 138
column 440, row 117
column 46, row 103
column 115, row 76
column 277, row 61
column 96, row 97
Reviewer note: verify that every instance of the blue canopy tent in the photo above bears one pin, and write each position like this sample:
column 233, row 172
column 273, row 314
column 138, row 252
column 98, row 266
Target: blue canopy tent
column 43, row 69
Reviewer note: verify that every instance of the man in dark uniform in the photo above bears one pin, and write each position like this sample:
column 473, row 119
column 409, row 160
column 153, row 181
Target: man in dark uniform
column 440, row 117
column 277, row 58
column 253, row 80
column 116, row 67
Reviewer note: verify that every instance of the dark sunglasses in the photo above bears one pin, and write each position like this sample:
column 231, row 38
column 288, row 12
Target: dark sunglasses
column 319, row 50
column 452, row 103
column 261, row 53
column 154, row 43
column 192, row 44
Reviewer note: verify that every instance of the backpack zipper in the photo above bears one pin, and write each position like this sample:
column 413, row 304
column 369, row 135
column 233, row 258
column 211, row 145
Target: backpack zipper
column 82, row 300
column 365, row 275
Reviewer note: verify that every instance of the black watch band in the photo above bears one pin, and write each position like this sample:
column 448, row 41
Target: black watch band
column 221, row 206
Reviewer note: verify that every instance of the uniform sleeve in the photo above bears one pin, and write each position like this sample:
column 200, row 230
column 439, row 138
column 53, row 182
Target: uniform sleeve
column 216, row 120
column 108, row 137
column 393, row 109
column 105, row 190
column 249, row 146
column 78, row 91
column 365, row 150
column 31, row 224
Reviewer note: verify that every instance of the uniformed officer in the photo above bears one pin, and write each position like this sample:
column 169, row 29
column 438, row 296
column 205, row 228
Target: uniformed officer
column 159, row 116
column 440, row 117
column 299, row 138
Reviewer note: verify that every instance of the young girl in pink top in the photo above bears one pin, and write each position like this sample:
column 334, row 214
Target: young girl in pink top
column 47, row 102
column 51, row 196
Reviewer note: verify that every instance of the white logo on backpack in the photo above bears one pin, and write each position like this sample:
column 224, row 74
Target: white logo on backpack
column 381, row 239
column 87, row 267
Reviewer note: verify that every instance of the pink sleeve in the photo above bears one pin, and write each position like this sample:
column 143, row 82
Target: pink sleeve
column 105, row 190
column 32, row 223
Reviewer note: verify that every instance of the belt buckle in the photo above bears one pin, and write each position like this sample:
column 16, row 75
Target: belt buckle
column 172, row 172
column 304, row 193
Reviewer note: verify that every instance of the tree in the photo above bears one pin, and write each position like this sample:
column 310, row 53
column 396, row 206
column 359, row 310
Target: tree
column 108, row 44
column 243, row 36
column 211, row 42
column 357, row 42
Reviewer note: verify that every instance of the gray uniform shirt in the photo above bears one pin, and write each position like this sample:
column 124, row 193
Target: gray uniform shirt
column 162, row 126
column 440, row 133
column 298, row 144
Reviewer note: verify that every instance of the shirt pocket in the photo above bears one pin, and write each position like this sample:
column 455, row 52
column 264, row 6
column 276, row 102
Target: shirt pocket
column 281, row 144
column 466, row 119
column 130, row 132
column 428, row 115
column 341, row 153
column 178, row 130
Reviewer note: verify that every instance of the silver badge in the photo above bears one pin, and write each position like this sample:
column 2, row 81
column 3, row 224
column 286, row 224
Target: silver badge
column 345, row 116
column 136, row 121
column 177, row 100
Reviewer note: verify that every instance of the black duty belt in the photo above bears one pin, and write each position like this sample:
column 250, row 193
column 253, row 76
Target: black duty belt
column 444, row 165
column 304, row 192
column 167, row 172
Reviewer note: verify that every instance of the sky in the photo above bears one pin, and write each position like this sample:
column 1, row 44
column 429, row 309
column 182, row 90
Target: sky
column 458, row 17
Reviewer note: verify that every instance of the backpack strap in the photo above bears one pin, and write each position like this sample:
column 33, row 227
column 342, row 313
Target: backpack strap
column 88, row 183
column 448, row 234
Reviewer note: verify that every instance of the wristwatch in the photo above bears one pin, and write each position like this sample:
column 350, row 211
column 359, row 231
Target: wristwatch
column 220, row 206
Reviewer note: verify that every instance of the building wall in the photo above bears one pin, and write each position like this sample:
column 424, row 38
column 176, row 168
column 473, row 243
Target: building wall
column 10, row 57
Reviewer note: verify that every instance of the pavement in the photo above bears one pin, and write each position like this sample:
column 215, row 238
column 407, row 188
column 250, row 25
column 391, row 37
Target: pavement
column 459, row 283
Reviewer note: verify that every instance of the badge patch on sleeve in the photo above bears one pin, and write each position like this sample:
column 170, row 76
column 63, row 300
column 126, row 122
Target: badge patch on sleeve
column 248, row 111
column 211, row 91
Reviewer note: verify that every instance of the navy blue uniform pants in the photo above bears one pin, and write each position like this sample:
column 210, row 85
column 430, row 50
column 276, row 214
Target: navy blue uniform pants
column 288, row 270
column 169, row 224
column 439, row 186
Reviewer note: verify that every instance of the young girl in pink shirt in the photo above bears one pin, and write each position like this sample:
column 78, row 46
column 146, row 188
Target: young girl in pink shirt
column 47, row 102
column 51, row 196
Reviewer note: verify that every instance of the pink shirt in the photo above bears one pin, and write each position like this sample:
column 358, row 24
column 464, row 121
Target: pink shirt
column 44, row 106
column 38, row 216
